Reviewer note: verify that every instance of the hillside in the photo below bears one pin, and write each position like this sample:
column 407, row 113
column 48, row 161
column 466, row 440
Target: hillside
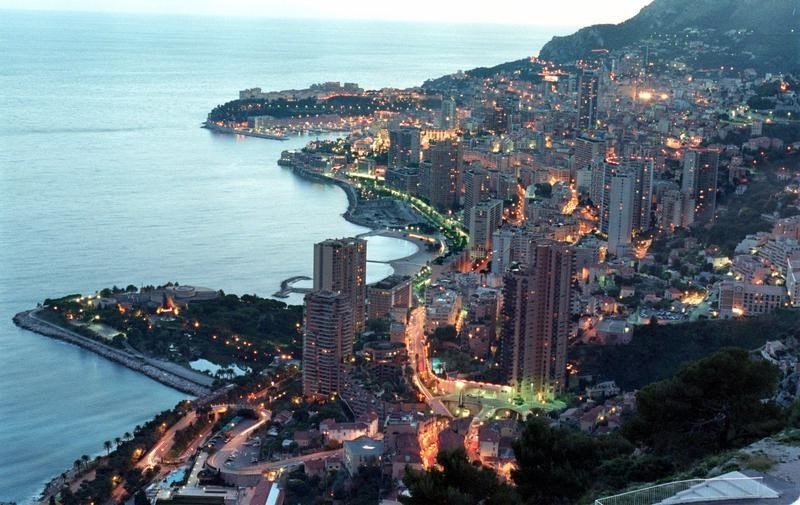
column 762, row 34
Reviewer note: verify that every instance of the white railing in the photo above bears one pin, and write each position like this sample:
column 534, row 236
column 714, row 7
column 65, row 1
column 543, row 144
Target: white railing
column 652, row 495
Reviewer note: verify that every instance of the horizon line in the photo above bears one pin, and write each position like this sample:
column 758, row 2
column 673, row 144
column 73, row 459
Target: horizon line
column 256, row 17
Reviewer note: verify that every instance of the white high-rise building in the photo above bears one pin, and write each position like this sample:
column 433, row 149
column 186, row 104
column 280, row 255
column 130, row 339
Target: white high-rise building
column 620, row 212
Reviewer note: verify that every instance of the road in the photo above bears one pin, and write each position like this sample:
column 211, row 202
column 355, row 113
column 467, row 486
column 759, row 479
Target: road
column 417, row 347
column 164, row 444
column 239, row 451
column 277, row 465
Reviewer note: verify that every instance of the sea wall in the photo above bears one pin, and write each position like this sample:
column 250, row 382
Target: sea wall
column 29, row 321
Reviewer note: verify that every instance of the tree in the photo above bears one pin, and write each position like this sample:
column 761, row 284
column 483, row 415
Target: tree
column 107, row 445
column 447, row 333
column 457, row 483
column 117, row 441
column 85, row 460
column 711, row 405
column 140, row 498
column 51, row 500
column 77, row 464
column 557, row 465
column 127, row 435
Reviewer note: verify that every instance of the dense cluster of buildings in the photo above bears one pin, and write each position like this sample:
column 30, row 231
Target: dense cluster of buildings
column 563, row 180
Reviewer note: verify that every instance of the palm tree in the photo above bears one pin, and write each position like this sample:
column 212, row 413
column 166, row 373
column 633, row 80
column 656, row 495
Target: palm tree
column 107, row 445
column 85, row 459
column 117, row 441
column 76, row 464
column 137, row 429
column 127, row 435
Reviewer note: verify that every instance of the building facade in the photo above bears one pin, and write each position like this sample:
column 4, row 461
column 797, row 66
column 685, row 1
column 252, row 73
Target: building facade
column 536, row 322
column 327, row 341
column 340, row 265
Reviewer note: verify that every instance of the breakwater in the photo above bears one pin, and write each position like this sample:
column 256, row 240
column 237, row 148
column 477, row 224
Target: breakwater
column 167, row 375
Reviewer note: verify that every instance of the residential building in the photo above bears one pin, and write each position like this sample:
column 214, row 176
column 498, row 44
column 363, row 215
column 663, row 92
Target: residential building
column 404, row 147
column 738, row 298
column 390, row 293
column 327, row 341
column 484, row 219
column 340, row 265
column 536, row 321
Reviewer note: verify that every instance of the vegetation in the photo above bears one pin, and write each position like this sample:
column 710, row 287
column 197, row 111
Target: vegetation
column 119, row 467
column 710, row 406
column 456, row 483
column 246, row 330
column 345, row 106
column 657, row 352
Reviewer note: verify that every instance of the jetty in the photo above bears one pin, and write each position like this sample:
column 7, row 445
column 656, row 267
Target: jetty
column 287, row 288
column 165, row 372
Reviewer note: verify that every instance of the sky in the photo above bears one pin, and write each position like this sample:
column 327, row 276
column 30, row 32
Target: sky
column 530, row 12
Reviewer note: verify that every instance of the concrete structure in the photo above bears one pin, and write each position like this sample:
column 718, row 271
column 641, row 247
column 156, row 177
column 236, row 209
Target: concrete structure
column 587, row 100
column 340, row 265
column 793, row 279
column 405, row 179
column 699, row 183
column 448, row 116
column 363, row 451
column 642, row 171
column 440, row 176
column 476, row 187
column 404, row 147
column 620, row 212
column 536, row 315
column 484, row 219
column 392, row 292
column 738, row 298
column 588, row 151
column 327, row 340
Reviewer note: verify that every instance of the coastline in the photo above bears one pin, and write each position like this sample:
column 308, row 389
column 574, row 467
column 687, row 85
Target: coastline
column 407, row 265
column 150, row 368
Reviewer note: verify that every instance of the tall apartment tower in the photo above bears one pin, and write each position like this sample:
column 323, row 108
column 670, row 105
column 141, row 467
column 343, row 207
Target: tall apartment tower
column 620, row 211
column 588, row 150
column 404, row 147
column 327, row 341
column 448, row 115
column 700, row 169
column 440, row 176
column 477, row 187
column 587, row 100
column 536, row 322
column 642, row 171
column 600, row 192
column 484, row 219
column 340, row 265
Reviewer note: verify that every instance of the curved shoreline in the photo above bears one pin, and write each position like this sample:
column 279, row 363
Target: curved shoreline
column 28, row 321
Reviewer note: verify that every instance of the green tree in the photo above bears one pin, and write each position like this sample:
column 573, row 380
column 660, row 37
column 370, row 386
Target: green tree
column 140, row 498
column 457, row 483
column 711, row 405
column 557, row 465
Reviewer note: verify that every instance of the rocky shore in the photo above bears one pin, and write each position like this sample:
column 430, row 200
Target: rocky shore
column 29, row 321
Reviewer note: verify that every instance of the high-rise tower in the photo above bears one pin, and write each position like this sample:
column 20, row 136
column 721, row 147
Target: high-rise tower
column 340, row 265
column 536, row 321
column 327, row 341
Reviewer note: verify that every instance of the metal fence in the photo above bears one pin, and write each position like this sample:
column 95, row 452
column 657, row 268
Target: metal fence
column 749, row 487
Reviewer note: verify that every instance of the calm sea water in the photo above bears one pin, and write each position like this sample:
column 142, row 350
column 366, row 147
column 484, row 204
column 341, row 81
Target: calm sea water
column 106, row 178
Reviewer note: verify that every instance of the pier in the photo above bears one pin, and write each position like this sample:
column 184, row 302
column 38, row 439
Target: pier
column 287, row 288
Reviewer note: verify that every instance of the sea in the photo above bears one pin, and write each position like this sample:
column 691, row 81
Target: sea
column 106, row 178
